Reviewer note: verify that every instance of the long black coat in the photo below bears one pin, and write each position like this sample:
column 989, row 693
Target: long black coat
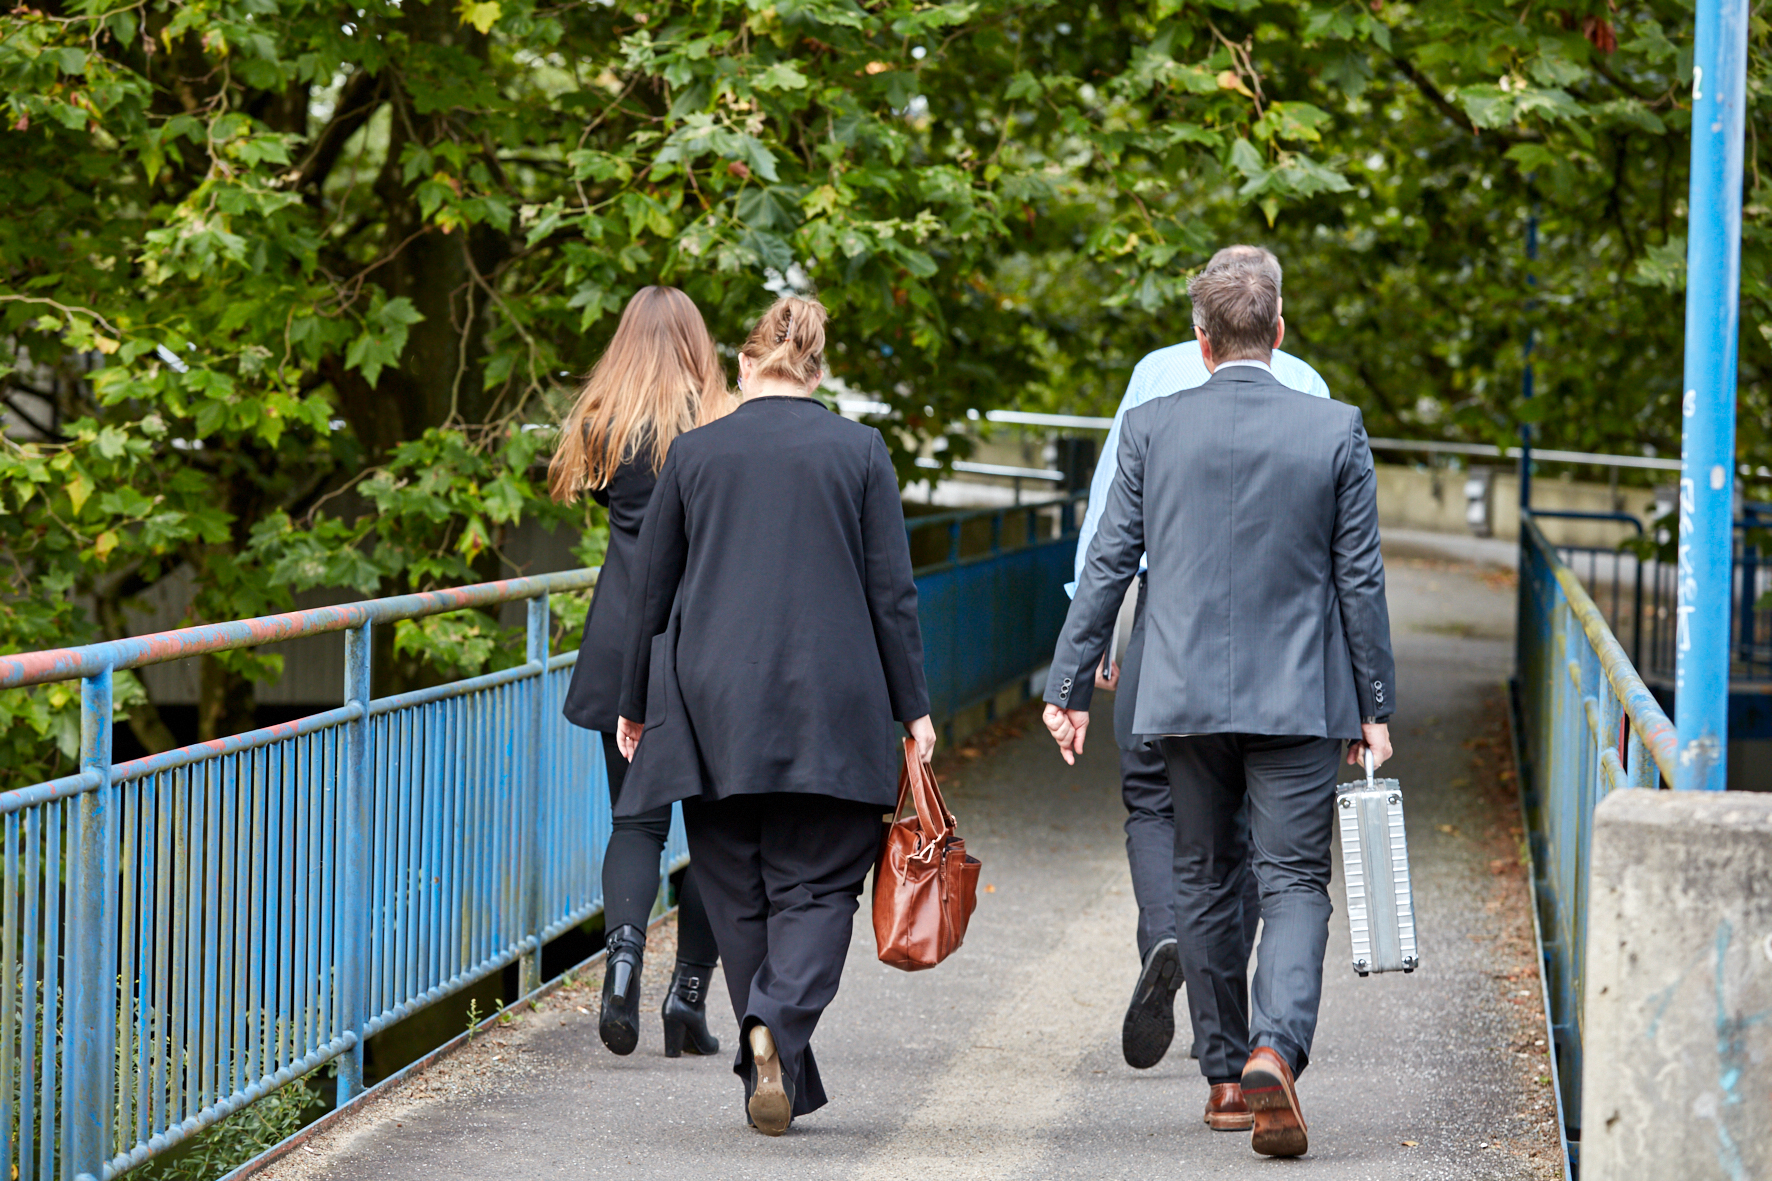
column 593, row 700
column 774, row 633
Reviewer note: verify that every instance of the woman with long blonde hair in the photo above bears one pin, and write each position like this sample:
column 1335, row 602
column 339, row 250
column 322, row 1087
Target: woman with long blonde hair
column 774, row 654
column 659, row 377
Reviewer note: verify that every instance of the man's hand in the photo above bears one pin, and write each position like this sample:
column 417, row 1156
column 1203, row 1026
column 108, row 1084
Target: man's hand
column 1374, row 737
column 1107, row 674
column 627, row 737
column 922, row 732
column 1068, row 727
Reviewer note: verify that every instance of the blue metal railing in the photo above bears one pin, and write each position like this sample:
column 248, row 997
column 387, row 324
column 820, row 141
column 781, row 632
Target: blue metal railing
column 187, row 932
column 971, row 655
column 1585, row 725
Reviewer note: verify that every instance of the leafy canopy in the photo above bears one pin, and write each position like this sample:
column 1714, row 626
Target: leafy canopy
column 286, row 280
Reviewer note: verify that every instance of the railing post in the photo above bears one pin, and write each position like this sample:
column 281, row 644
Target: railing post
column 537, row 655
column 1750, row 579
column 1707, row 453
column 90, row 1027
column 352, row 871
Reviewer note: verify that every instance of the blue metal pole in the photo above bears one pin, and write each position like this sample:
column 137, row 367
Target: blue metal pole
column 536, row 652
column 1707, row 456
column 1526, row 378
column 352, row 868
column 92, row 940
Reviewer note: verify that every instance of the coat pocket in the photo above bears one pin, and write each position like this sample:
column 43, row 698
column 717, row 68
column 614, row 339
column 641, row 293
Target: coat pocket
column 663, row 696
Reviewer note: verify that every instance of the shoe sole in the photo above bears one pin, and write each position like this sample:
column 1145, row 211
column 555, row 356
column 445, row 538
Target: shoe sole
column 1231, row 1121
column 1149, row 1027
column 1278, row 1128
column 769, row 1108
column 620, row 1037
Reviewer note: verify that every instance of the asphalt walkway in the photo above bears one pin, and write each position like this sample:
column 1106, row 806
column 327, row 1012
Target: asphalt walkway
column 1005, row 1062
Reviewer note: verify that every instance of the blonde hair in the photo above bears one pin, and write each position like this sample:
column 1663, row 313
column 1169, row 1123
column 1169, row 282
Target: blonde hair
column 788, row 342
column 659, row 377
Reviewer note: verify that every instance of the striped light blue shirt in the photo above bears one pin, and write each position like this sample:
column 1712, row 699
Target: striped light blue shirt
column 1169, row 371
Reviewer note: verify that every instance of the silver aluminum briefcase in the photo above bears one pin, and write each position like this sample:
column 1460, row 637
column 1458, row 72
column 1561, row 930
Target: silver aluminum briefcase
column 1375, row 868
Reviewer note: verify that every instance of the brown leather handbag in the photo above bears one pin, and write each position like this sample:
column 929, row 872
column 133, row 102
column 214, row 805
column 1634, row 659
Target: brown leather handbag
column 924, row 885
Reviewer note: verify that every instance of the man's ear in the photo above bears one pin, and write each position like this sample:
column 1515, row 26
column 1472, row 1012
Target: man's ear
column 1280, row 332
column 1205, row 350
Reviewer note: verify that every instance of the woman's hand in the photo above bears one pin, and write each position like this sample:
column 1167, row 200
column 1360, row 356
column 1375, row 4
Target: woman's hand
column 627, row 737
column 922, row 732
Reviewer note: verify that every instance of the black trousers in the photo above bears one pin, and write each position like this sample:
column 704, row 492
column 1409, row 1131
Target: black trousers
column 630, row 872
column 781, row 874
column 1288, row 785
column 1150, row 851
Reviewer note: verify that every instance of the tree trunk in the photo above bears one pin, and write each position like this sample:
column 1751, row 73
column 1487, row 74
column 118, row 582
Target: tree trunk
column 227, row 703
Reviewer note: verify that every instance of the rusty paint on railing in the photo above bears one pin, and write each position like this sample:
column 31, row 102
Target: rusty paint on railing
column 65, row 664
column 1646, row 716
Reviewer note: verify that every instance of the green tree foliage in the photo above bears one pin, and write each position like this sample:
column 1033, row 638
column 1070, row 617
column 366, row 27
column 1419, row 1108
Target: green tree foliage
column 286, row 279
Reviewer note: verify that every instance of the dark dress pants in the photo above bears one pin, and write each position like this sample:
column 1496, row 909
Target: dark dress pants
column 780, row 875
column 1289, row 786
column 1150, row 812
column 1150, row 851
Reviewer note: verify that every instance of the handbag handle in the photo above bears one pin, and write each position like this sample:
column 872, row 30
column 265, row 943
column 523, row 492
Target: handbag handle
column 919, row 781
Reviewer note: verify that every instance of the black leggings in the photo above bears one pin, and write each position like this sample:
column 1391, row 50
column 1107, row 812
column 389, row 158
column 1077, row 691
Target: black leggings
column 630, row 872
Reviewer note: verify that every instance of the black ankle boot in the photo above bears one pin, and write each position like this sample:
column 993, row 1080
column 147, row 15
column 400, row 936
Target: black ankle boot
column 619, row 1025
column 686, row 1012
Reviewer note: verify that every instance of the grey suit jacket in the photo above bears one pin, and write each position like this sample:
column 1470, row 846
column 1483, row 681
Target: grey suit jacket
column 1264, row 604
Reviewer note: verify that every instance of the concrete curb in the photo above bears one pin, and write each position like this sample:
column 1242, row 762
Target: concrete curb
column 1566, row 1170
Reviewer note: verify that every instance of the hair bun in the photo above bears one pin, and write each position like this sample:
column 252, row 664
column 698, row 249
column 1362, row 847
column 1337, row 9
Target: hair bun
column 787, row 342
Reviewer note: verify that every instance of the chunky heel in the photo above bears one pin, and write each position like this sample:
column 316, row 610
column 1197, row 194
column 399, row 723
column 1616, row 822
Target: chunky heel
column 675, row 1034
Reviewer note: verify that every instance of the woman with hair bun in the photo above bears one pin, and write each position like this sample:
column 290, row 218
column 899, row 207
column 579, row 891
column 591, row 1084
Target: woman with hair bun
column 659, row 377
column 774, row 644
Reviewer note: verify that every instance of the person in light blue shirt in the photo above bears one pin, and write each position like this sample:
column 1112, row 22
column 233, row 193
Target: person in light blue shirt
column 1168, row 371
column 1149, row 1026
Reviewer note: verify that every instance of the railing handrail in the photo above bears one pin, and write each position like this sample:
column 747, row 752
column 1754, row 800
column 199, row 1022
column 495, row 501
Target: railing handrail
column 961, row 516
column 66, row 664
column 1569, row 514
column 1645, row 713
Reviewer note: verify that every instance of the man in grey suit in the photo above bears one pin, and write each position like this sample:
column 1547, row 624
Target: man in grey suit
column 1267, row 644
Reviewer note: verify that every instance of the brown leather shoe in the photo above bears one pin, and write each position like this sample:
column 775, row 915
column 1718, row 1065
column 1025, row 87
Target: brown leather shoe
column 1226, row 1111
column 1267, row 1089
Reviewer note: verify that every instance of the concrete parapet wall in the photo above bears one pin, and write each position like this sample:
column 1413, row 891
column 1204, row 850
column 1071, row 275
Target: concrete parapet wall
column 1677, row 1030
column 1419, row 497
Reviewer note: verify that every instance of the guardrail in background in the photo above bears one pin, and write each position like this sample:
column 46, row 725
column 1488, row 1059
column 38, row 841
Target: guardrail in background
column 1585, row 725
column 970, row 656
column 187, row 932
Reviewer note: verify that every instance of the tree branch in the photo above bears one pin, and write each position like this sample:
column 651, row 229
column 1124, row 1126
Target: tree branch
column 358, row 102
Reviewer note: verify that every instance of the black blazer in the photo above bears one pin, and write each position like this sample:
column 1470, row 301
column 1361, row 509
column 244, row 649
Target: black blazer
column 774, row 637
column 593, row 700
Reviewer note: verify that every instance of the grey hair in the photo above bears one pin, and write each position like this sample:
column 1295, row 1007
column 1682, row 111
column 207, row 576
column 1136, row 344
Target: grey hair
column 1237, row 308
column 1258, row 255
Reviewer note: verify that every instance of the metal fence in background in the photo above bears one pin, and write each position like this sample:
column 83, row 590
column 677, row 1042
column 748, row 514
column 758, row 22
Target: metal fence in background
column 187, row 932
column 1586, row 725
column 1638, row 596
column 1017, row 560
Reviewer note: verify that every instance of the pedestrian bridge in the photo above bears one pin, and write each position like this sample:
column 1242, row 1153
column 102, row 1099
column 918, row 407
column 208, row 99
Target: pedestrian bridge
column 189, row 932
